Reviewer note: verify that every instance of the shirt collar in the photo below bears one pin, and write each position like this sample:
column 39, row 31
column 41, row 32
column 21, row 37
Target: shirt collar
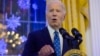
column 51, row 30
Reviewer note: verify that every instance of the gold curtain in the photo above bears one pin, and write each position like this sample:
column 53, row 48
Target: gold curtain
column 77, row 17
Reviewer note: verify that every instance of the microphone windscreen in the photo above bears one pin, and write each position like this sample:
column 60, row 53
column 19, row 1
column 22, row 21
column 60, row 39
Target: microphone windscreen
column 75, row 32
column 63, row 31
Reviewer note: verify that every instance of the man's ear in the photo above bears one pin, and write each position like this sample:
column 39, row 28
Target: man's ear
column 64, row 18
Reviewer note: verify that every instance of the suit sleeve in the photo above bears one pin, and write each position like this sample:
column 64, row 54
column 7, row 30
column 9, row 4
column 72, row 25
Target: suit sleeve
column 29, row 48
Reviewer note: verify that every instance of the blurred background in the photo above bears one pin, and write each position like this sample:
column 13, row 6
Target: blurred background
column 19, row 17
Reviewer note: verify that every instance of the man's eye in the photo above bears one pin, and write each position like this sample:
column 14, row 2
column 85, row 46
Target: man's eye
column 54, row 10
column 58, row 10
column 51, row 10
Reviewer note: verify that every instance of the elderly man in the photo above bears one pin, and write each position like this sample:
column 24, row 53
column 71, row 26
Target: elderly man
column 49, row 41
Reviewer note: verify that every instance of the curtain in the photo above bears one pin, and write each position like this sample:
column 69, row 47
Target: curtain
column 77, row 16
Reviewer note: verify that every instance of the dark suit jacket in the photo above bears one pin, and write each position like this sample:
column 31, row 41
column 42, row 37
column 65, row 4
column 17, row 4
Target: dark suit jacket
column 36, row 40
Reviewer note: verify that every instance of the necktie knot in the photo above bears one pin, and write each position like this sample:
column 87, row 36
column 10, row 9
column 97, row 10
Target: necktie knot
column 56, row 33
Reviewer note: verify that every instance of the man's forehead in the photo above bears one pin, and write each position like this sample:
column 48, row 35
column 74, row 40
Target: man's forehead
column 54, row 5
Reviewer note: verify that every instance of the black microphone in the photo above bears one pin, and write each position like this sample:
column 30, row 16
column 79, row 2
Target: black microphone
column 65, row 34
column 77, row 34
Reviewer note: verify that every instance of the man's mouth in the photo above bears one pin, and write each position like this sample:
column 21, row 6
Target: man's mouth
column 54, row 19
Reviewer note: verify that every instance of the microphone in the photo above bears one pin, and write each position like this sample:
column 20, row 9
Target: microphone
column 77, row 34
column 65, row 34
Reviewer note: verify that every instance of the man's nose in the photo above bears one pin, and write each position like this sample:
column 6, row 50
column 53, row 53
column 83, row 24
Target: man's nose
column 54, row 14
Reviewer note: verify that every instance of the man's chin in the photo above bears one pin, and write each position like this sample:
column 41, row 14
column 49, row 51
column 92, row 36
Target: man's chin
column 55, row 26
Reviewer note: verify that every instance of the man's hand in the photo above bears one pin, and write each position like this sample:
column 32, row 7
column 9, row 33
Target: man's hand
column 46, row 50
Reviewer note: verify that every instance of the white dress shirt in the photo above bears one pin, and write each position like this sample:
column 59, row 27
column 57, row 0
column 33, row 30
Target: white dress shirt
column 51, row 32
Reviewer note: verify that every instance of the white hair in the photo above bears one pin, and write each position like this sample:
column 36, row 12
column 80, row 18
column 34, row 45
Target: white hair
column 48, row 2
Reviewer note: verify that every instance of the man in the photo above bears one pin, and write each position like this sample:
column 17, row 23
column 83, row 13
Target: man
column 41, row 43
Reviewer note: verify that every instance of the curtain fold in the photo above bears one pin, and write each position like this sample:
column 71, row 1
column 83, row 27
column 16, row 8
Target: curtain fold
column 77, row 17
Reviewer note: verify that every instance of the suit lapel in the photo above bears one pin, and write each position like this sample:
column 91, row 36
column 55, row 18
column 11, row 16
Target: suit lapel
column 47, row 37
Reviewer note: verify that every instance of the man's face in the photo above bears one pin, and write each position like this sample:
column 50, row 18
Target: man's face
column 55, row 15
